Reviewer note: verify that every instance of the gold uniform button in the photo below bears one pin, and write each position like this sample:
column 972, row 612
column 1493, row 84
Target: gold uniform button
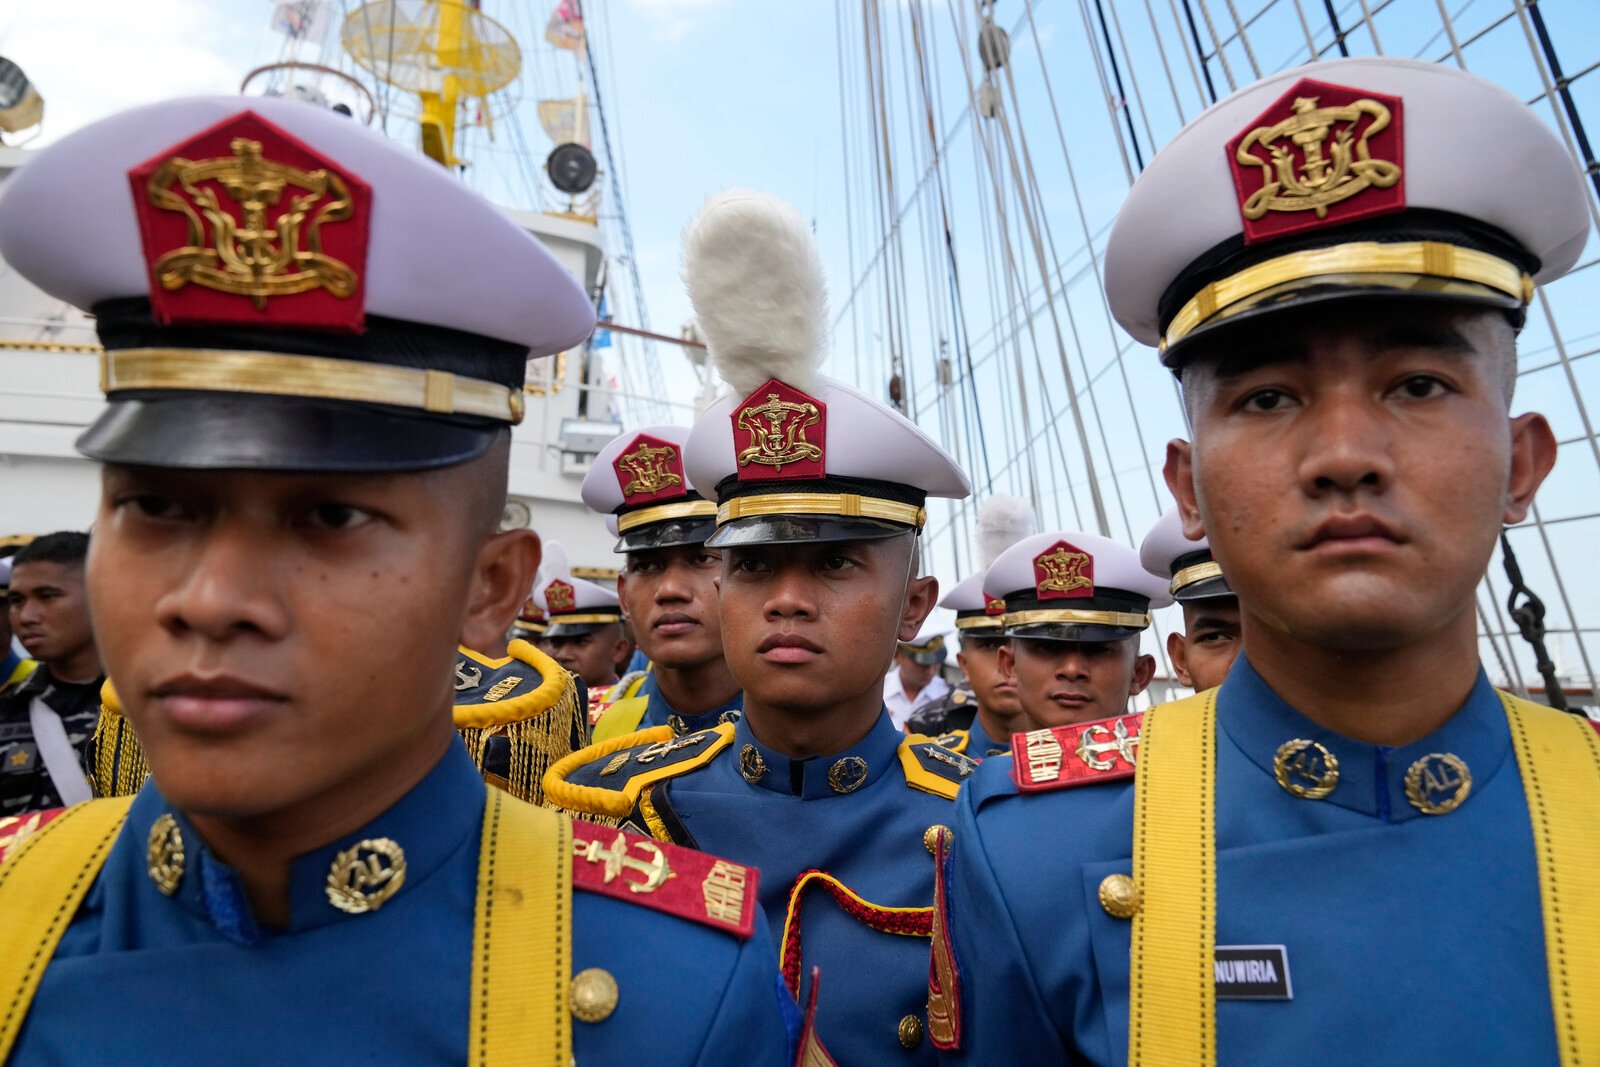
column 911, row 1031
column 1120, row 896
column 930, row 837
column 593, row 995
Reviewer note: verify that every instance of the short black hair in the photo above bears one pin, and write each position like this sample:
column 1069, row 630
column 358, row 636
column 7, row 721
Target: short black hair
column 64, row 546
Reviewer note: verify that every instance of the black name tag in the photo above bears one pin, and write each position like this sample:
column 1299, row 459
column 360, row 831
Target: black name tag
column 1253, row 972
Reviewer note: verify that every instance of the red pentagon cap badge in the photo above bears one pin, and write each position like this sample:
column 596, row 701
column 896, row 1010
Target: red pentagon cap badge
column 243, row 223
column 1062, row 572
column 994, row 605
column 1320, row 155
column 559, row 596
column 650, row 469
column 780, row 432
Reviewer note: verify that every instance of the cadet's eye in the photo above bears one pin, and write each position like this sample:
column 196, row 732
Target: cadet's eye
column 152, row 506
column 836, row 562
column 708, row 559
column 1266, row 400
column 747, row 565
column 334, row 516
column 1421, row 386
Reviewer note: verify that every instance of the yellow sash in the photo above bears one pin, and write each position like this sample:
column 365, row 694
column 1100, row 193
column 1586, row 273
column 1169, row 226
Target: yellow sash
column 1171, row 995
column 522, row 930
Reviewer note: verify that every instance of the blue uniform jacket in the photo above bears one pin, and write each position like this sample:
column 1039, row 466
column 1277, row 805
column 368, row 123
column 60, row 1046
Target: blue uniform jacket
column 1411, row 939
column 793, row 818
column 143, row 978
column 658, row 712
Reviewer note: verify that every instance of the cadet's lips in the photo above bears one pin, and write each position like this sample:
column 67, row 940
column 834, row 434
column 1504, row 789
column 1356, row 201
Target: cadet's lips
column 214, row 703
column 1345, row 533
column 788, row 647
column 674, row 623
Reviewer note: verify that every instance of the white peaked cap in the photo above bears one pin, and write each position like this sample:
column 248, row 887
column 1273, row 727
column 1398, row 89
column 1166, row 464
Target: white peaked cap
column 1075, row 586
column 1456, row 143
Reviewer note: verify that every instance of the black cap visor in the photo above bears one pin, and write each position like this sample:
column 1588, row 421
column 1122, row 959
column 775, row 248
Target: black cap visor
column 801, row 529
column 1204, row 589
column 577, row 629
column 1073, row 631
column 234, row 431
column 674, row 533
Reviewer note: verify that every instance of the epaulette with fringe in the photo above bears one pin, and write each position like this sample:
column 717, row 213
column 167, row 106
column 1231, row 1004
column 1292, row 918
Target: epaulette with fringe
column 518, row 716
column 119, row 766
column 685, row 882
column 932, row 768
column 606, row 780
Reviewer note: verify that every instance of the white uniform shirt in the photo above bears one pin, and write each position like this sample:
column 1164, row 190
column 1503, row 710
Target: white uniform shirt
column 902, row 707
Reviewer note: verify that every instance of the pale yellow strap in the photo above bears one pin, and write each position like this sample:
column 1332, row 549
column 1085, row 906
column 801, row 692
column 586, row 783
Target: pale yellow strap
column 522, row 937
column 42, row 883
column 1171, row 991
column 1559, row 757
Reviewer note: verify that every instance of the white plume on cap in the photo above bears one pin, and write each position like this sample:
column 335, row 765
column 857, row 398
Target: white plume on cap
column 1002, row 522
column 554, row 563
column 755, row 279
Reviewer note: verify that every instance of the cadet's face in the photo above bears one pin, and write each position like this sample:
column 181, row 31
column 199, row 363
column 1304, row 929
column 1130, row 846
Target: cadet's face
column 670, row 595
column 236, row 612
column 1062, row 682
column 49, row 610
column 591, row 656
column 996, row 691
column 1353, row 471
column 1202, row 654
column 808, row 626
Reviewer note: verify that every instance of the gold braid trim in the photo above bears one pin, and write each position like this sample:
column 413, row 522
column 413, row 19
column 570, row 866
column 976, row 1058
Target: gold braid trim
column 543, row 726
column 119, row 763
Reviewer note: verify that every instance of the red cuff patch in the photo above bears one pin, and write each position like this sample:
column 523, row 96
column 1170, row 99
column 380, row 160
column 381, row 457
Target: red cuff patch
column 678, row 881
column 1084, row 752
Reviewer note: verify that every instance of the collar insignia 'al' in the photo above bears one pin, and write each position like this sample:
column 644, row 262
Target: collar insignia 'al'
column 780, row 432
column 1063, row 571
column 1320, row 155
column 244, row 223
column 651, row 469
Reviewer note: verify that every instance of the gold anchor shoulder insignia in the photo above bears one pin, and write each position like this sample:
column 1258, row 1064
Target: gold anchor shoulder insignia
column 678, row 881
column 1058, row 757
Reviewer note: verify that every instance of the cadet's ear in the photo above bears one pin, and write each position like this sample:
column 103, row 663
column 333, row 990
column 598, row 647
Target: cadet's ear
column 1006, row 662
column 501, row 578
column 1179, row 473
column 1144, row 669
column 1533, row 455
column 1178, row 653
column 921, row 595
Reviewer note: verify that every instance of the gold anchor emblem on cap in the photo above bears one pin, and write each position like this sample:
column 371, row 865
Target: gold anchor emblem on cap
column 751, row 766
column 1438, row 783
column 1305, row 769
column 848, row 774
column 164, row 854
column 365, row 875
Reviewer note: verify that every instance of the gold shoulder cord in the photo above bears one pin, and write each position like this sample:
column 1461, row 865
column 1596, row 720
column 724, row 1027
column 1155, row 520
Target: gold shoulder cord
column 42, row 885
column 522, row 928
column 1171, row 991
column 1171, row 996
column 1559, row 757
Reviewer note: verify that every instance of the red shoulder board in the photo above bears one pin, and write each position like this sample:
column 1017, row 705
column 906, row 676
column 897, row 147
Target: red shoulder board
column 14, row 829
column 1063, row 756
column 679, row 881
column 598, row 704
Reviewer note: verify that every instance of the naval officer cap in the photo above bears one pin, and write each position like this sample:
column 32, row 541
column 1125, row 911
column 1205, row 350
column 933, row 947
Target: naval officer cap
column 1371, row 177
column 1072, row 586
column 928, row 647
column 1193, row 573
column 1002, row 522
column 278, row 287
column 638, row 483
column 792, row 456
column 572, row 606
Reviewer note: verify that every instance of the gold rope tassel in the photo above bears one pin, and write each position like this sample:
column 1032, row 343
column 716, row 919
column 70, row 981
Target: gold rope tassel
column 119, row 763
